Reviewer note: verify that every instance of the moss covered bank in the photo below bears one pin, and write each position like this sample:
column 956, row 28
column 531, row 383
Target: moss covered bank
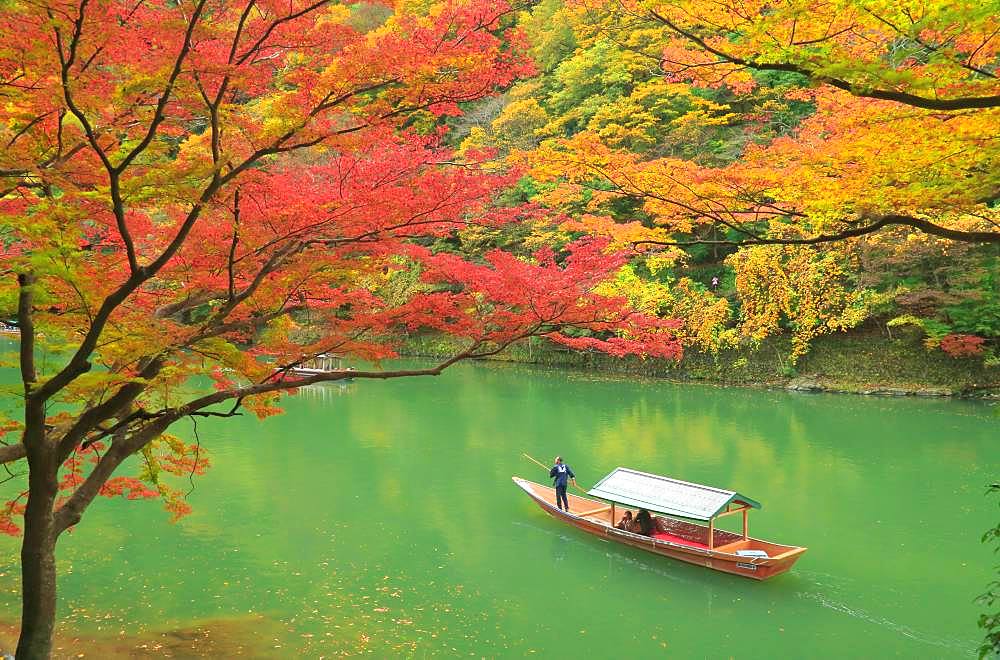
column 863, row 362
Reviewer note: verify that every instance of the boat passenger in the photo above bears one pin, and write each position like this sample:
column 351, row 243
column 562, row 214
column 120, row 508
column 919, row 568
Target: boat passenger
column 626, row 522
column 644, row 522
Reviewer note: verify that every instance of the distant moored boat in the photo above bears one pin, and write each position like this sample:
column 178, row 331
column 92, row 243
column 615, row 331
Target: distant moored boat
column 321, row 364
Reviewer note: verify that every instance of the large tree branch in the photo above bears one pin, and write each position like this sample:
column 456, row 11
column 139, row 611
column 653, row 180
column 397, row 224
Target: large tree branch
column 873, row 225
column 91, row 419
column 158, row 116
column 768, row 210
column 256, row 46
column 111, row 407
column 66, row 61
column 157, row 423
column 26, row 322
column 10, row 453
column 256, row 323
column 957, row 103
column 153, row 424
column 27, row 127
column 230, row 259
column 159, row 113
column 72, row 510
column 79, row 363
column 967, row 64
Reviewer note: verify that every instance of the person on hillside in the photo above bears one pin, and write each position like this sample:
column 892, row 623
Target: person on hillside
column 644, row 521
column 562, row 474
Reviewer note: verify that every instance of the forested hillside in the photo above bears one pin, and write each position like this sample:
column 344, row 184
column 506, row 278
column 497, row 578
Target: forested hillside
column 808, row 170
column 770, row 172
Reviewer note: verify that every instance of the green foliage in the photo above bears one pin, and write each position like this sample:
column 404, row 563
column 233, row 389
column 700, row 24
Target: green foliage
column 990, row 599
column 981, row 319
column 551, row 33
column 980, row 314
column 524, row 191
column 586, row 81
column 935, row 330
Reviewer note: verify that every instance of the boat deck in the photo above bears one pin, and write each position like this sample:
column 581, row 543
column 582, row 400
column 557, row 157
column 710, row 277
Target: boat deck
column 670, row 530
column 666, row 536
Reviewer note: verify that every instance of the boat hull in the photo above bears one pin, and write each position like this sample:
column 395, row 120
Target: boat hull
column 721, row 559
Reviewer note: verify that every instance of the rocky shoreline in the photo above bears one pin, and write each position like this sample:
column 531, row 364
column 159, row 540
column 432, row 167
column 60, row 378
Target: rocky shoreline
column 819, row 384
column 868, row 364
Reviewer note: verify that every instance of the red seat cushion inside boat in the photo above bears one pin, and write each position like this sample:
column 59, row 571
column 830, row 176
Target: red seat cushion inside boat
column 664, row 536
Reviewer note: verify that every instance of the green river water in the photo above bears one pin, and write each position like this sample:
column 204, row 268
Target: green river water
column 379, row 517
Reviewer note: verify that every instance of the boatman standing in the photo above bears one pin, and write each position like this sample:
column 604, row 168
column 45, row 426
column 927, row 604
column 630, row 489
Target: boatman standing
column 562, row 474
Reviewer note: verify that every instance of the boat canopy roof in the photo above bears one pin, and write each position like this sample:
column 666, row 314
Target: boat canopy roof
column 665, row 495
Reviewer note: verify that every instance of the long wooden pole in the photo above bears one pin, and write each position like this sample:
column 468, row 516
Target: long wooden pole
column 536, row 462
column 547, row 468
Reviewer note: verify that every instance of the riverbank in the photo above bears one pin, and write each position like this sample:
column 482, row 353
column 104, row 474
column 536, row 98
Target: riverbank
column 864, row 362
column 249, row 636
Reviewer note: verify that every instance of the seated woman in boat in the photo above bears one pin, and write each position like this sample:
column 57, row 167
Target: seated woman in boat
column 626, row 522
column 644, row 522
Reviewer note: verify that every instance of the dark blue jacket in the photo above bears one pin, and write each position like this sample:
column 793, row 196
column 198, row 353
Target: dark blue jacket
column 561, row 473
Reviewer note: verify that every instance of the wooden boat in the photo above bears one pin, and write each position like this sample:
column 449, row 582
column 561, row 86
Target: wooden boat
column 631, row 490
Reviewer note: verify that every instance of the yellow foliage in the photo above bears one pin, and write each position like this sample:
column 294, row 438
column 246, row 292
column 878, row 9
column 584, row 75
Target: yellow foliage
column 476, row 139
column 518, row 124
column 705, row 317
column 803, row 288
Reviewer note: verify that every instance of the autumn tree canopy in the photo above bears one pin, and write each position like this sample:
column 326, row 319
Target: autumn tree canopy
column 228, row 189
column 905, row 99
column 826, row 162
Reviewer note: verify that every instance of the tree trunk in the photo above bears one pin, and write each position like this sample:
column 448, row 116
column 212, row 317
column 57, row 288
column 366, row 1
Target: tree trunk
column 38, row 569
